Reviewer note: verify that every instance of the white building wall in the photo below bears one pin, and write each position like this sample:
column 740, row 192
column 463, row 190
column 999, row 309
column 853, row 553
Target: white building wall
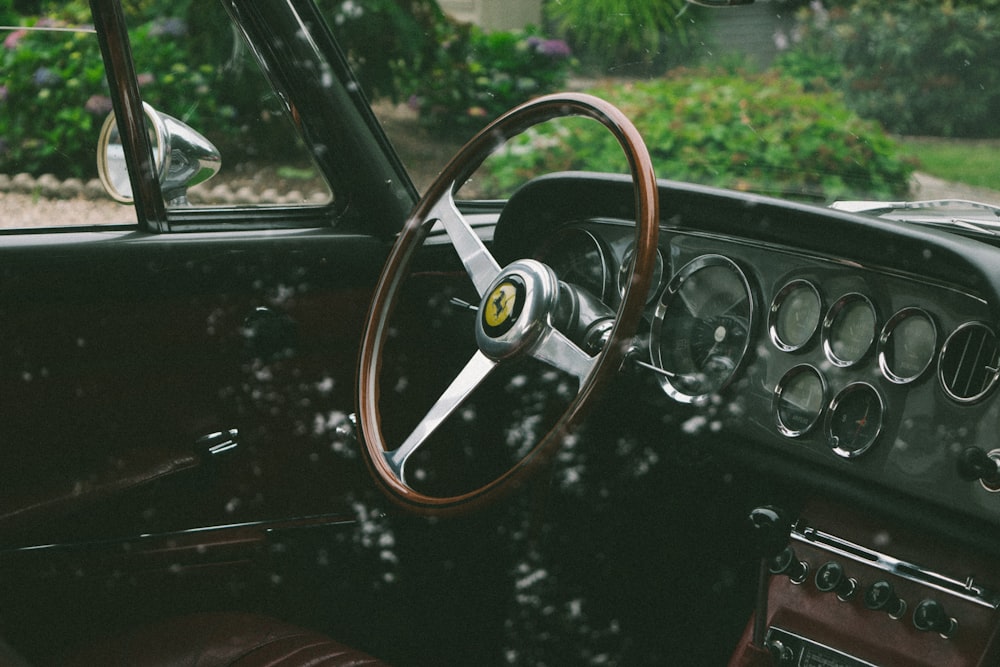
column 495, row 14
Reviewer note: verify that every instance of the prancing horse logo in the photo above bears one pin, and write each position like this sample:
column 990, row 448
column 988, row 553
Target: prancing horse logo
column 500, row 304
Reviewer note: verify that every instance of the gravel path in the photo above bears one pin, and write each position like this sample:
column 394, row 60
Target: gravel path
column 89, row 207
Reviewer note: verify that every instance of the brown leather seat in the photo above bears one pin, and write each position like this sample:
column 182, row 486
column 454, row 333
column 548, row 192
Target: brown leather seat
column 217, row 639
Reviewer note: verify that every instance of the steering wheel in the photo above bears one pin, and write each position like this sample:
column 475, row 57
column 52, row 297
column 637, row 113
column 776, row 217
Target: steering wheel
column 516, row 307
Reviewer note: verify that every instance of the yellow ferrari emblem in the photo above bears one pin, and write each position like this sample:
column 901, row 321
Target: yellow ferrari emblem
column 500, row 305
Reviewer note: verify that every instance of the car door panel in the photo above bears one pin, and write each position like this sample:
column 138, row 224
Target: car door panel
column 120, row 352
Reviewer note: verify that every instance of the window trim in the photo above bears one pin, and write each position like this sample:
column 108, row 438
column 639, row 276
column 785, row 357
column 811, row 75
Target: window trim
column 119, row 67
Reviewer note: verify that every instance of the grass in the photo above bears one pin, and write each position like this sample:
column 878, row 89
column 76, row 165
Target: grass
column 969, row 161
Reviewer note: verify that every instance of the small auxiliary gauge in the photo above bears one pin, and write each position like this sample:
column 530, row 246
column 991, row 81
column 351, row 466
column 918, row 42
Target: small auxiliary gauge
column 854, row 421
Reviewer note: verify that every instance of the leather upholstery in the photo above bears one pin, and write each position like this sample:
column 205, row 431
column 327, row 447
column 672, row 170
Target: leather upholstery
column 217, row 639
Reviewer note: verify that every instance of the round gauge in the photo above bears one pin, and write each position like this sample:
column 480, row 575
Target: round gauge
column 578, row 257
column 795, row 315
column 849, row 329
column 701, row 328
column 907, row 345
column 626, row 269
column 854, row 420
column 798, row 400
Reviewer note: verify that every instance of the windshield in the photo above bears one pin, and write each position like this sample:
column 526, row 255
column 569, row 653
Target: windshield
column 821, row 101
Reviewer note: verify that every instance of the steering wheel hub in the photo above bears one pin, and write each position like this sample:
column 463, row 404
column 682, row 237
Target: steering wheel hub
column 514, row 311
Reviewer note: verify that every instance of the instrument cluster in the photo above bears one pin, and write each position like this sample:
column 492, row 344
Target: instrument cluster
column 836, row 347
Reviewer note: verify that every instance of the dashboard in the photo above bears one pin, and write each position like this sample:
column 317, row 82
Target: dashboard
column 859, row 352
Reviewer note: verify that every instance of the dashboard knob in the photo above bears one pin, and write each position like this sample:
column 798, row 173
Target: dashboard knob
column 831, row 578
column 930, row 616
column 786, row 562
column 975, row 464
column 881, row 596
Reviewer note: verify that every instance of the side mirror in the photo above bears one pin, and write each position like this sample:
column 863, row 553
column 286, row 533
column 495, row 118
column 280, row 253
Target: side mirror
column 182, row 156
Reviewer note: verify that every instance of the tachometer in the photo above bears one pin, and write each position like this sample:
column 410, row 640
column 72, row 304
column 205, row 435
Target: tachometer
column 626, row 270
column 701, row 328
column 578, row 257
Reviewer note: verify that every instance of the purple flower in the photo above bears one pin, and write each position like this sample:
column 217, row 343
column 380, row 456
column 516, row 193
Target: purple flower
column 45, row 78
column 98, row 105
column 553, row 48
column 168, row 27
column 4, row 93
column 145, row 79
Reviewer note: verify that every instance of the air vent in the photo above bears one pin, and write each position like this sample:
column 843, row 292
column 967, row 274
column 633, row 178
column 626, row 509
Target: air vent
column 967, row 368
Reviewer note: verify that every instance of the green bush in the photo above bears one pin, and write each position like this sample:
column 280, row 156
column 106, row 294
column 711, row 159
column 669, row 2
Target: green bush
column 55, row 96
column 763, row 133
column 919, row 67
column 52, row 103
column 614, row 34
column 474, row 76
column 378, row 35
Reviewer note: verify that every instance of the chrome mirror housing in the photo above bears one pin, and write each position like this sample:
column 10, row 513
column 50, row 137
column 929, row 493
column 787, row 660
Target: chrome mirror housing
column 183, row 158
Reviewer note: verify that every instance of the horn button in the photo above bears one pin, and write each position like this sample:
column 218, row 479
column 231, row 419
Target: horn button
column 515, row 309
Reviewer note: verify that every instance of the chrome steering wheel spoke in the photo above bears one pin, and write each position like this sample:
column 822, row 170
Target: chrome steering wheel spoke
column 475, row 371
column 555, row 349
column 479, row 263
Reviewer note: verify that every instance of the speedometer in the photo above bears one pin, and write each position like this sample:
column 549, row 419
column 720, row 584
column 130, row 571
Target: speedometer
column 701, row 328
column 578, row 257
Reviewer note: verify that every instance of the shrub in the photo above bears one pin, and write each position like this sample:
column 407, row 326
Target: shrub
column 55, row 97
column 377, row 35
column 612, row 33
column 52, row 102
column 762, row 133
column 919, row 67
column 474, row 76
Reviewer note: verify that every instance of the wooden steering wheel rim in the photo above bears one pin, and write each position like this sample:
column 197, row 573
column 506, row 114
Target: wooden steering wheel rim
column 609, row 360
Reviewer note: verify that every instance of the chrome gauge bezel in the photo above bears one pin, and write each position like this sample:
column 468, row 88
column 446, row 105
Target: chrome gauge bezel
column 669, row 297
column 833, row 332
column 780, row 390
column 779, row 307
column 625, row 272
column 885, row 346
column 838, row 410
column 561, row 240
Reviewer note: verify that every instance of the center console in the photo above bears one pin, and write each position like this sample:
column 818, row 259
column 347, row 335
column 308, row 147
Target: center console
column 844, row 593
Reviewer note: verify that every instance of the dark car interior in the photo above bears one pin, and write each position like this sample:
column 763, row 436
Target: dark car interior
column 788, row 460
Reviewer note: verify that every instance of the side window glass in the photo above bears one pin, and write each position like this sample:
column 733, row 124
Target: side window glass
column 193, row 67
column 53, row 100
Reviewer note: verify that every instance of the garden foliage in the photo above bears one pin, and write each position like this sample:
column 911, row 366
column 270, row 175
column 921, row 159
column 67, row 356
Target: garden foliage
column 925, row 67
column 474, row 76
column 612, row 34
column 55, row 95
column 748, row 132
column 192, row 66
